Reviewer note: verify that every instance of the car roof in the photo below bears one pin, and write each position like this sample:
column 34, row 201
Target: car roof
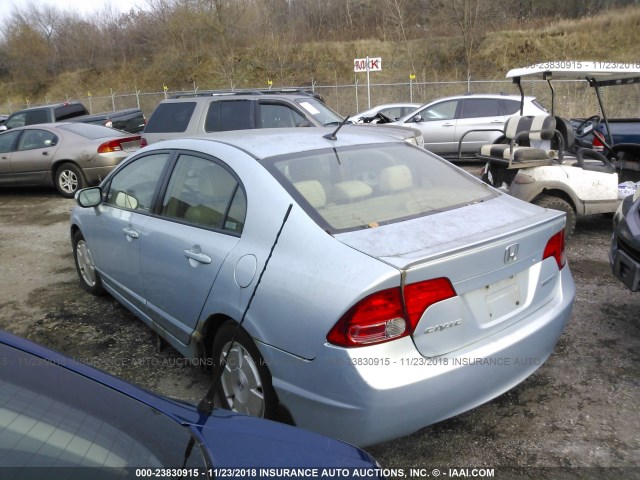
column 53, row 105
column 269, row 142
column 482, row 95
column 602, row 73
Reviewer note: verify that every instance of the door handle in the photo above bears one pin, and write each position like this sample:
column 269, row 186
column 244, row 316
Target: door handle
column 45, row 153
column 447, row 124
column 198, row 256
column 130, row 232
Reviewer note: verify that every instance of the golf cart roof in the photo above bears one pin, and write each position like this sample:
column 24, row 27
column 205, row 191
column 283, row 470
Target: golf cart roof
column 596, row 73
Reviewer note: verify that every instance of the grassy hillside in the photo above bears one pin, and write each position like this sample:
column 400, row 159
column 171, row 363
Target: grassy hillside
column 613, row 36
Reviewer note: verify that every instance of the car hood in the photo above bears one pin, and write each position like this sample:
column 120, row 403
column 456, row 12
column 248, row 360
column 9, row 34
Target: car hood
column 235, row 440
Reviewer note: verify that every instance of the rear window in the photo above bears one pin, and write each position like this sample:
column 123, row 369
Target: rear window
column 170, row 117
column 225, row 115
column 91, row 131
column 69, row 111
column 372, row 185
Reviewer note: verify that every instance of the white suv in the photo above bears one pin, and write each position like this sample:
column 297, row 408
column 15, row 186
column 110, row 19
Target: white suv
column 443, row 122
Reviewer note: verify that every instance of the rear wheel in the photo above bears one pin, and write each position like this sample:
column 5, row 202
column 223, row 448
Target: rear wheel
column 69, row 179
column 245, row 385
column 557, row 203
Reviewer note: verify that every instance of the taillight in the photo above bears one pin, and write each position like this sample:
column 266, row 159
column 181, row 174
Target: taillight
column 108, row 123
column 598, row 144
column 555, row 249
column 116, row 145
column 384, row 316
column 143, row 142
column 419, row 296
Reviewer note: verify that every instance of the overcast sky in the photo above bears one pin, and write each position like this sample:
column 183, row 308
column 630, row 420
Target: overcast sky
column 84, row 7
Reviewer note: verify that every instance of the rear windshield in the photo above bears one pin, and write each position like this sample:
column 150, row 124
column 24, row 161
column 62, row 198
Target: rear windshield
column 371, row 185
column 91, row 131
column 171, row 117
column 69, row 111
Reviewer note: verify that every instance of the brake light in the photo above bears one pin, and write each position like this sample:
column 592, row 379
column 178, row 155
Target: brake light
column 116, row 145
column 384, row 316
column 108, row 123
column 143, row 142
column 555, row 248
column 598, row 144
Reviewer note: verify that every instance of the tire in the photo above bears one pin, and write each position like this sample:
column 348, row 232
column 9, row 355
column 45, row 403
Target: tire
column 557, row 203
column 69, row 179
column 89, row 279
column 245, row 384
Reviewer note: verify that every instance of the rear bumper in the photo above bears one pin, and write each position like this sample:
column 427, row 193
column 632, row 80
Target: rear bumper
column 374, row 394
column 624, row 266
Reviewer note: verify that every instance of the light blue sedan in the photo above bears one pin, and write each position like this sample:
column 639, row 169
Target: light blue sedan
column 398, row 289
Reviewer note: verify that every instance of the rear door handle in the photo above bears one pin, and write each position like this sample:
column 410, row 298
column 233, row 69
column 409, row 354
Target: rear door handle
column 447, row 124
column 198, row 256
column 130, row 232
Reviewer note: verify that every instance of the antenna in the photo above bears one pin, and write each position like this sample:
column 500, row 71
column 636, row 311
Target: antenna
column 332, row 135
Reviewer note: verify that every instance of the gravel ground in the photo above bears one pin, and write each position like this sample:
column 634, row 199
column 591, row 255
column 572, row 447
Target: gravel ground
column 578, row 412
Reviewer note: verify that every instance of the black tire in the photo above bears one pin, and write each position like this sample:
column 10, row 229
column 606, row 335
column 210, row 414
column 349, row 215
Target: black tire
column 557, row 203
column 69, row 179
column 245, row 384
column 89, row 279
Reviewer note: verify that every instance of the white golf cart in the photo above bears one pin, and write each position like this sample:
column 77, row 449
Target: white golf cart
column 542, row 159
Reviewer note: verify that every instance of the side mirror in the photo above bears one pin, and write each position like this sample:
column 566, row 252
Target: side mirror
column 418, row 118
column 3, row 128
column 89, row 197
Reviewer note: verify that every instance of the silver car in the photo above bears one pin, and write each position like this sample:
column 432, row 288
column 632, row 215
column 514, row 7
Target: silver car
column 445, row 121
column 398, row 290
column 69, row 156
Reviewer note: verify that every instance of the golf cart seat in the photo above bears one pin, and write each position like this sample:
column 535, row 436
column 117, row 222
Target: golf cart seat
column 529, row 141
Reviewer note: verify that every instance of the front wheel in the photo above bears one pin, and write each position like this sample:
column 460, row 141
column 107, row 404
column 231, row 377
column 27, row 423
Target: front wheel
column 69, row 179
column 245, row 385
column 89, row 278
column 557, row 203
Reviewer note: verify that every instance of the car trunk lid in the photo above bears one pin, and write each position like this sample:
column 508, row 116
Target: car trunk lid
column 492, row 253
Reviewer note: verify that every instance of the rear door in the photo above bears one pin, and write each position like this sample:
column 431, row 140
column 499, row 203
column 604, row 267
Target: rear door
column 478, row 114
column 201, row 220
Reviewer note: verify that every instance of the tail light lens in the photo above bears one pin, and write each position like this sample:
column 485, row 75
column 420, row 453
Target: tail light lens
column 385, row 316
column 116, row 145
column 108, row 123
column 555, row 248
column 598, row 144
column 143, row 142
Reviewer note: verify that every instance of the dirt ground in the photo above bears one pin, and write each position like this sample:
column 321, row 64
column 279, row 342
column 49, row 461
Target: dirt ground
column 580, row 410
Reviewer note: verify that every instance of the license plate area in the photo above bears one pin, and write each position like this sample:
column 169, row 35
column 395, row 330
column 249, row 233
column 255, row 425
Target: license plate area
column 502, row 298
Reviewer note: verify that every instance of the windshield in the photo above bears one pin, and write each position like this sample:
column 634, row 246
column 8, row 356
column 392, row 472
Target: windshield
column 371, row 185
column 320, row 111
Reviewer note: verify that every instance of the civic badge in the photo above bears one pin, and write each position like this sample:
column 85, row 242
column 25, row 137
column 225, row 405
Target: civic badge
column 511, row 253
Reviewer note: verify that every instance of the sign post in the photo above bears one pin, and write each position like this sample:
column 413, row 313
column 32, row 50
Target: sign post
column 367, row 65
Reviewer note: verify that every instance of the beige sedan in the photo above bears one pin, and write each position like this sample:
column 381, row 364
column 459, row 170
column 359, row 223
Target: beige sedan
column 68, row 156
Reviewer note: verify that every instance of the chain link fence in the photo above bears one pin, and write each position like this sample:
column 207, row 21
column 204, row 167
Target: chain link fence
column 573, row 98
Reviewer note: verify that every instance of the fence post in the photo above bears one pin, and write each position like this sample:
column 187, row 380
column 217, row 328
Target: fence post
column 356, row 85
column 90, row 105
column 137, row 96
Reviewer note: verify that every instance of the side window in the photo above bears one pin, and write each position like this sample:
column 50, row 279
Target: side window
column 510, row 107
column 204, row 193
column 18, row 120
column 236, row 115
column 7, row 140
column 32, row 139
column 37, row 116
column 441, row 111
column 279, row 116
column 133, row 187
column 170, row 117
column 480, row 107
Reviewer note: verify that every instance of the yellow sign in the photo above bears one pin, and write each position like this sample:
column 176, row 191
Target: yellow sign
column 164, row 87
column 412, row 76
